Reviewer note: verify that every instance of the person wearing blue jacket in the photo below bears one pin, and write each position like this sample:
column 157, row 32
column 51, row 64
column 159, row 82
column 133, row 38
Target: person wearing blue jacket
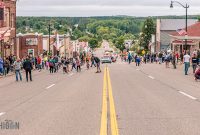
column 137, row 60
column 129, row 58
column 1, row 66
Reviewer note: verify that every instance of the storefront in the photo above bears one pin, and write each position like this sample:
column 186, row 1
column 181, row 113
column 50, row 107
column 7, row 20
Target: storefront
column 7, row 41
column 189, row 41
column 7, row 27
column 29, row 44
column 179, row 45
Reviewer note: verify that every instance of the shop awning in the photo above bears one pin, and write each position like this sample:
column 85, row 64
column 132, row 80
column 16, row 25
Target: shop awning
column 182, row 42
column 185, row 37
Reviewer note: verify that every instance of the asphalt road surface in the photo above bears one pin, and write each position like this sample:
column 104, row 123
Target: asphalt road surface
column 149, row 100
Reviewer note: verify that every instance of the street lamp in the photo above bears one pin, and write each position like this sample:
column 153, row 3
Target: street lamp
column 49, row 37
column 36, row 35
column 65, row 44
column 186, row 16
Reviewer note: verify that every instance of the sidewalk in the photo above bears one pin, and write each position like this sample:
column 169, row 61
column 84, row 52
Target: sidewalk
column 170, row 72
column 10, row 74
column 22, row 71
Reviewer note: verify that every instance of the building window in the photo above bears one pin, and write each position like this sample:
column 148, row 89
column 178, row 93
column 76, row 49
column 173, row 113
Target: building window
column 12, row 20
column 1, row 13
column 7, row 17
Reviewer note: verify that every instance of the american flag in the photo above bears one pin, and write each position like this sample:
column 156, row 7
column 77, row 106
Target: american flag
column 181, row 31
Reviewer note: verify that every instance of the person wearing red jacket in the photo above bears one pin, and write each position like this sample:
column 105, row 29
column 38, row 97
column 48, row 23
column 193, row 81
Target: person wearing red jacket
column 39, row 63
column 177, row 57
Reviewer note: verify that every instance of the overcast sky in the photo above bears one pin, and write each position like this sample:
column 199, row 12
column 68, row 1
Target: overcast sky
column 73, row 8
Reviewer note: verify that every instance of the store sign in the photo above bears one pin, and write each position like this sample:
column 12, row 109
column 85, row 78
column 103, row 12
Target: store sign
column 31, row 41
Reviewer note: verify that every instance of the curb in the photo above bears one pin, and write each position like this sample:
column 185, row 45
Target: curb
column 2, row 77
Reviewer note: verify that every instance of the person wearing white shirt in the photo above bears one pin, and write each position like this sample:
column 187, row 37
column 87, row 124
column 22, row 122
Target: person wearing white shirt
column 186, row 60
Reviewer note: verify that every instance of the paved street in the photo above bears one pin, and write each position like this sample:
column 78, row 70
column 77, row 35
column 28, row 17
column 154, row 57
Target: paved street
column 149, row 100
column 47, row 84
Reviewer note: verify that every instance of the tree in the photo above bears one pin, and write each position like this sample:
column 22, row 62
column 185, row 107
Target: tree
column 84, row 38
column 93, row 43
column 77, row 33
column 147, row 30
column 119, row 43
column 129, row 36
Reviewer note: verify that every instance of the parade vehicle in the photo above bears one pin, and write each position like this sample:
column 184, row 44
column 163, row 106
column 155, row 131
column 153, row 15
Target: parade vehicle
column 106, row 59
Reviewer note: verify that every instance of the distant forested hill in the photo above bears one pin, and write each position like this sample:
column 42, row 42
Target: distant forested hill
column 105, row 27
column 91, row 24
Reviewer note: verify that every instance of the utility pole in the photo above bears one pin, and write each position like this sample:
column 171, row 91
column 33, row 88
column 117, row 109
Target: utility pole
column 186, row 17
column 49, row 38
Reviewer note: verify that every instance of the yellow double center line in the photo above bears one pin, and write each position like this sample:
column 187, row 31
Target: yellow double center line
column 107, row 88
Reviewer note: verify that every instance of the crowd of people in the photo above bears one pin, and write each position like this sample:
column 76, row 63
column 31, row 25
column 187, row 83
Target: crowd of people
column 51, row 63
column 187, row 58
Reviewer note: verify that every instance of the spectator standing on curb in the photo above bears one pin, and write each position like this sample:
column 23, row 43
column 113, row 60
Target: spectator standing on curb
column 145, row 59
column 181, row 57
column 73, row 64
column 186, row 60
column 46, row 62
column 78, row 65
column 160, row 55
column 198, row 56
column 39, row 63
column 64, row 64
column 67, row 65
column 51, row 65
column 28, row 67
column 56, row 63
column 129, row 57
column 17, row 66
column 167, row 60
column 137, row 61
column 174, row 60
column 1, row 66
column 177, row 57
column 6, row 66
column 194, row 62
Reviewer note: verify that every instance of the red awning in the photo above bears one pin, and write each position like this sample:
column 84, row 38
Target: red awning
column 192, row 31
column 179, row 42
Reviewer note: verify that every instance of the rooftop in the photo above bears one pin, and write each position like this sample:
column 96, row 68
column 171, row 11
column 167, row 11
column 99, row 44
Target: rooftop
column 193, row 31
column 175, row 24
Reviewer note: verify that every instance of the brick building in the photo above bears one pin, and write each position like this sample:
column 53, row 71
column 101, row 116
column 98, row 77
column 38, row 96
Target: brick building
column 7, row 27
column 29, row 44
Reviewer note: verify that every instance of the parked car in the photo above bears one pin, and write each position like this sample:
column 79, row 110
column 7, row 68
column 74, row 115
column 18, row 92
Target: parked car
column 113, row 59
column 106, row 59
